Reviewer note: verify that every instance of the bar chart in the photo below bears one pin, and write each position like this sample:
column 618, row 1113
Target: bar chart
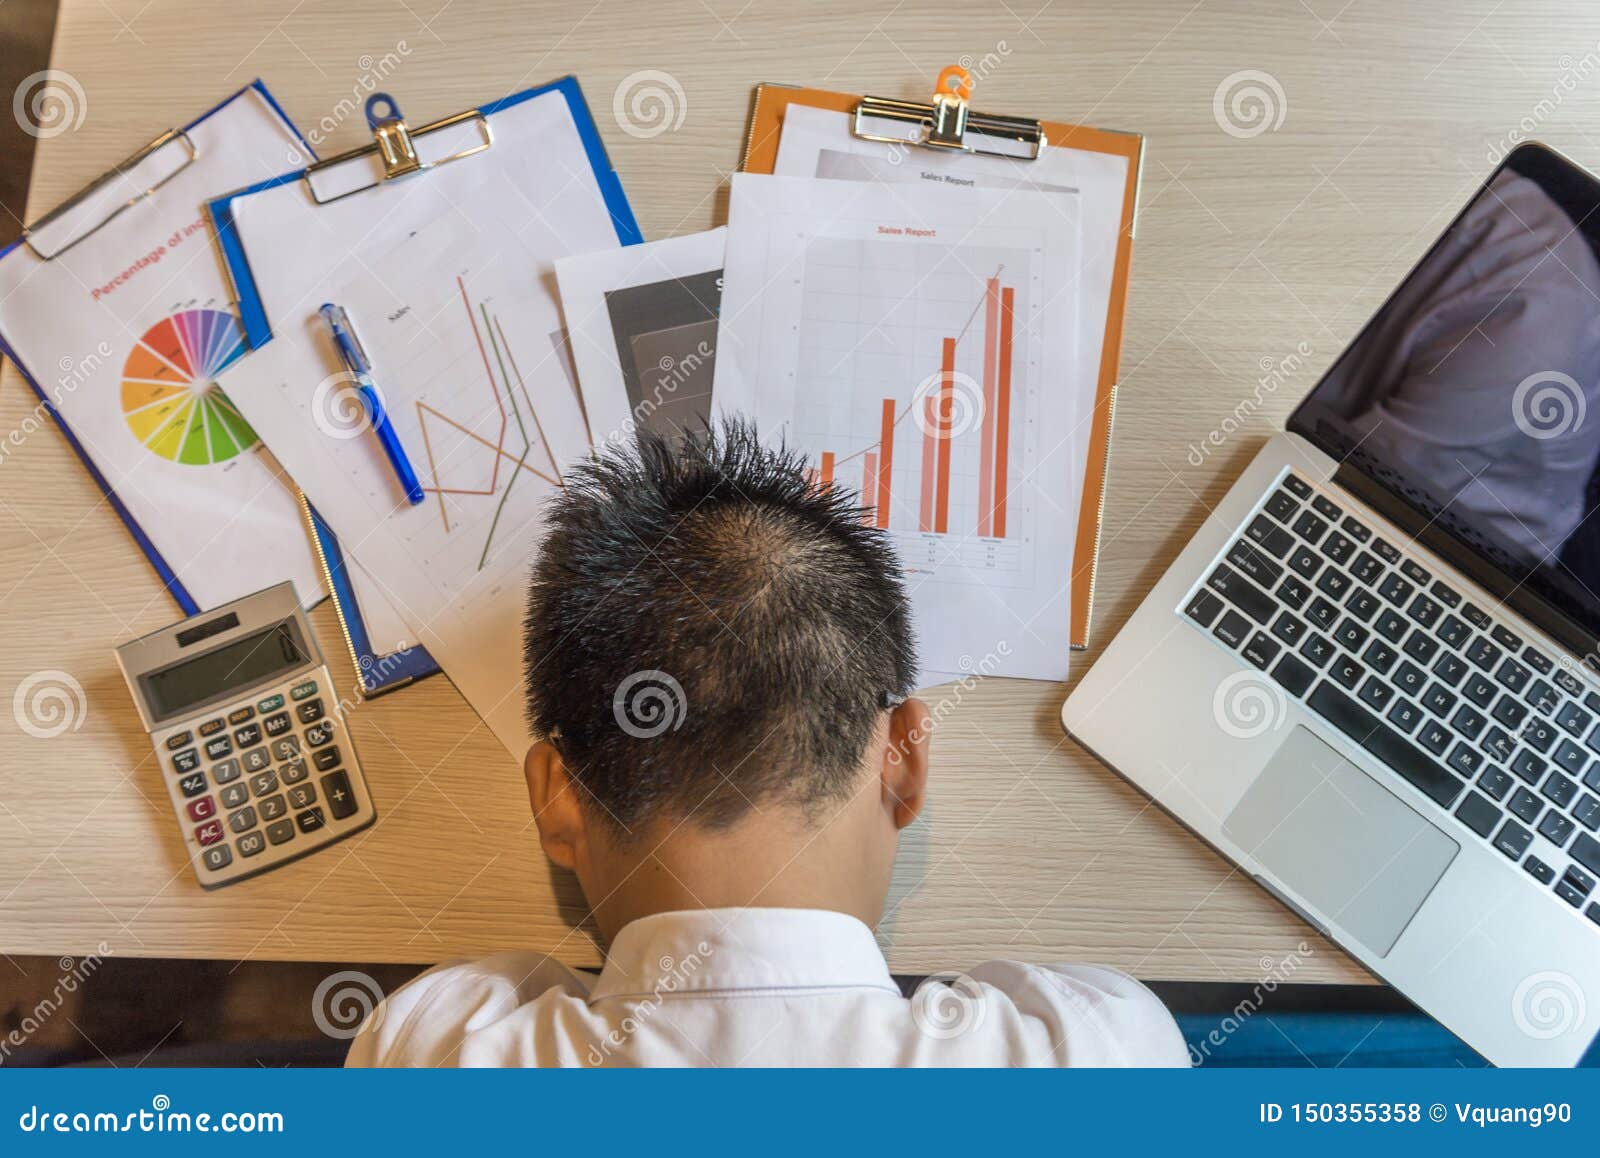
column 914, row 385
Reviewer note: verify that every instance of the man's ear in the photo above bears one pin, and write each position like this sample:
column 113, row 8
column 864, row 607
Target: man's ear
column 905, row 761
column 555, row 804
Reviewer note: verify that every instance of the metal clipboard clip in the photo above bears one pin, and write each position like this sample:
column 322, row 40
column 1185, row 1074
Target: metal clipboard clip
column 157, row 163
column 397, row 150
column 949, row 123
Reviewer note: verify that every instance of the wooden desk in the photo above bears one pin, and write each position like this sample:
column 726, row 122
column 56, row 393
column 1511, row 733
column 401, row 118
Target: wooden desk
column 1249, row 247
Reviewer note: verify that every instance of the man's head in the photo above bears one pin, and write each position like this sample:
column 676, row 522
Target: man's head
column 717, row 655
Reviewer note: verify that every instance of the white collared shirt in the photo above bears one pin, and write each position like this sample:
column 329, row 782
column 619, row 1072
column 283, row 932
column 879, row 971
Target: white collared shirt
column 763, row 987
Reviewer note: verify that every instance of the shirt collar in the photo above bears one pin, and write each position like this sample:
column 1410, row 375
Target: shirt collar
column 721, row 950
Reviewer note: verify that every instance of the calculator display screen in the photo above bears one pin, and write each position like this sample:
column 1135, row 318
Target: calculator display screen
column 214, row 674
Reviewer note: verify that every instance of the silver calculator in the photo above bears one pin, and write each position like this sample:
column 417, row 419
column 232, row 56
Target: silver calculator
column 249, row 734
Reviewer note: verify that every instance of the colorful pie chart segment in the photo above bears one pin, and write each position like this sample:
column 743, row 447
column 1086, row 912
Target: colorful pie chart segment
column 170, row 400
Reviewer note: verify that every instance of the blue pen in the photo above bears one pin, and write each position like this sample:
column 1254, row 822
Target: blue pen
column 355, row 361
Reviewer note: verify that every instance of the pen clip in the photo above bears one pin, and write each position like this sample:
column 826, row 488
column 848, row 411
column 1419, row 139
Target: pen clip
column 345, row 332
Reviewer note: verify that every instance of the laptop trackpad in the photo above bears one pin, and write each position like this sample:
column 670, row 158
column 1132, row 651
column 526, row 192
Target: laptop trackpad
column 1363, row 858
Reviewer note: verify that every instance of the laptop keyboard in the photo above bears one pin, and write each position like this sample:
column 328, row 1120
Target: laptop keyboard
column 1492, row 730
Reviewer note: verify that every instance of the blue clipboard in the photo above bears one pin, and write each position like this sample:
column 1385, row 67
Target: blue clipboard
column 164, row 571
column 378, row 672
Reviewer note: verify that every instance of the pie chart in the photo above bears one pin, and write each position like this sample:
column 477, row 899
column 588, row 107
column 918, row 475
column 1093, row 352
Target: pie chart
column 169, row 397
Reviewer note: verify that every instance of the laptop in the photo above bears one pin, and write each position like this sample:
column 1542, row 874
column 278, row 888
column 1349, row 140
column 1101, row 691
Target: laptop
column 1372, row 679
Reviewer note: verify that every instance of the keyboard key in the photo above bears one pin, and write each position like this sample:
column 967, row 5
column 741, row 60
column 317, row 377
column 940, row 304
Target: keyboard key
column 1497, row 745
column 1537, row 660
column 1510, row 712
column 1434, row 737
column 186, row 762
column 242, row 820
column 1479, row 690
column 1295, row 676
column 1356, row 530
column 304, row 690
column 295, row 770
column 218, row 748
column 1539, row 735
column 1392, row 626
column 1445, row 594
column 1505, row 637
column 1424, row 610
column 1415, row 573
column 310, row 820
column 1479, row 814
column 1542, row 696
column 1334, row 583
column 1383, row 742
column 1338, row 548
column 325, row 758
column 1468, row 722
column 1363, row 605
column 1574, row 719
column 1410, row 679
column 1272, row 538
column 1309, row 527
column 257, row 759
column 1322, row 613
column 1258, row 651
column 1326, row 507
column 1570, row 887
column 234, row 795
column 1293, row 592
column 1586, row 851
column 1242, row 593
column 212, row 727
column 1513, row 675
column 1450, row 669
column 1556, row 828
column 1464, row 760
column 1375, row 693
column 248, row 735
column 1476, row 616
column 312, row 709
column 1559, row 790
column 193, row 784
column 1405, row 716
column 1570, row 756
column 202, row 809
column 240, row 715
column 1529, row 767
column 1386, row 550
column 1538, row 870
column 1366, row 568
column 270, row 704
column 337, row 792
column 302, row 796
column 321, row 732
column 1438, row 700
column 288, row 747
column 1513, row 839
column 1317, row 649
column 279, row 724
column 1380, row 656
column 1421, row 647
column 1525, row 806
column 1232, row 630
column 263, row 784
column 1453, row 631
column 1305, row 562
column 1587, row 812
column 1287, row 628
column 1351, row 635
column 1348, row 672
column 218, row 856
column 209, row 833
column 1395, row 589
column 1494, row 782
column 282, row 831
column 251, row 843
column 1483, row 653
column 272, row 808
column 1281, row 506
column 1567, row 682
column 1297, row 485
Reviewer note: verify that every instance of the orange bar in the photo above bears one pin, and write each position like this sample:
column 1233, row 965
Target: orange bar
column 826, row 480
column 1002, row 415
column 929, row 463
column 947, row 390
column 991, row 308
column 885, row 462
column 869, row 483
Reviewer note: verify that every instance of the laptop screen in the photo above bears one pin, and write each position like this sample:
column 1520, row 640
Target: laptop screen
column 1473, row 396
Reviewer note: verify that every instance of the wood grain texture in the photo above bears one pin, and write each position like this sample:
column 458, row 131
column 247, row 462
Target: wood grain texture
column 1254, row 252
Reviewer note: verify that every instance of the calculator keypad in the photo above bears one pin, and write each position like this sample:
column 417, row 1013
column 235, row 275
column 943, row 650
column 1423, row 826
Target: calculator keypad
column 260, row 757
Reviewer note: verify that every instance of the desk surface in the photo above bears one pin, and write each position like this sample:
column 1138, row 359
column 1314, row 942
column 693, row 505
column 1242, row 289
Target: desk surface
column 1254, row 252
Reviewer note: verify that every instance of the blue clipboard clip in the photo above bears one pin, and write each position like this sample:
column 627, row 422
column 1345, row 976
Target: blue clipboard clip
column 394, row 144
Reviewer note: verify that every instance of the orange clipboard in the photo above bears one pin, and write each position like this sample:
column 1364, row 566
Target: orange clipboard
column 947, row 122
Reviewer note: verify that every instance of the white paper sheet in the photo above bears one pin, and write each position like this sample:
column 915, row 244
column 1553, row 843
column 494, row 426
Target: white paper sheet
column 126, row 333
column 819, row 143
column 643, row 322
column 842, row 302
column 444, row 351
